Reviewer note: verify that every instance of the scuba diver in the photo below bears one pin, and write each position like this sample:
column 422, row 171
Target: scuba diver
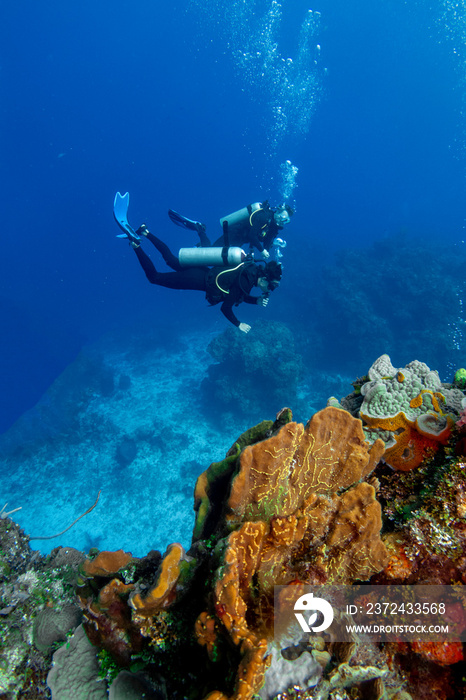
column 257, row 224
column 226, row 275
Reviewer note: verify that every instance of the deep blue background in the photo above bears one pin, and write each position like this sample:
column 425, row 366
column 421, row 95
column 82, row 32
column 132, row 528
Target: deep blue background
column 144, row 96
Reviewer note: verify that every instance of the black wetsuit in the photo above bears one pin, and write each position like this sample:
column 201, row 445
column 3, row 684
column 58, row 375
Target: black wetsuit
column 229, row 285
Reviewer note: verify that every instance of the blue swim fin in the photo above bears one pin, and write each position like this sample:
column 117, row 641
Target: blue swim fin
column 120, row 212
column 184, row 222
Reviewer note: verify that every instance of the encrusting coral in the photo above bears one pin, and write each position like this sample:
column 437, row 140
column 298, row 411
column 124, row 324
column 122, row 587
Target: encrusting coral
column 289, row 503
column 409, row 408
column 424, row 514
column 106, row 563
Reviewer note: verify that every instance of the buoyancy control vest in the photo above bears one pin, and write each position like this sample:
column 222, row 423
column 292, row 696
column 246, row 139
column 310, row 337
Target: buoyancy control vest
column 219, row 281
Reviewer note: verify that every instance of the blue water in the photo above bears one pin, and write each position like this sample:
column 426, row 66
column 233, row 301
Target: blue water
column 352, row 110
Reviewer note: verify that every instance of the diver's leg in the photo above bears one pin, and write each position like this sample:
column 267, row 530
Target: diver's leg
column 203, row 239
column 146, row 264
column 171, row 260
column 189, row 278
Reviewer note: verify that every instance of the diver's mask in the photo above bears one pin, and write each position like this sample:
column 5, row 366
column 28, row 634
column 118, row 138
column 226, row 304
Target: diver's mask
column 273, row 284
column 272, row 275
column 282, row 215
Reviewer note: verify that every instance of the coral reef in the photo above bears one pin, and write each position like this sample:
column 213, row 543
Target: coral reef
column 425, row 516
column 288, row 502
column 409, row 408
column 38, row 609
column 373, row 296
column 424, row 509
column 290, row 505
column 253, row 373
column 459, row 379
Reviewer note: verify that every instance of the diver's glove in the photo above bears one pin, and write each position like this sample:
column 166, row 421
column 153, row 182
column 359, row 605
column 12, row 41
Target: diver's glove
column 244, row 327
column 262, row 301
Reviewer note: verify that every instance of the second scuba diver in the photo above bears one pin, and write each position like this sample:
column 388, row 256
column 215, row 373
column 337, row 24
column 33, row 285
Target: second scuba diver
column 228, row 284
column 257, row 225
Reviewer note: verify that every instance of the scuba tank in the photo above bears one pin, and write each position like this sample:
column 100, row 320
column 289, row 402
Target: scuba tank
column 242, row 216
column 201, row 257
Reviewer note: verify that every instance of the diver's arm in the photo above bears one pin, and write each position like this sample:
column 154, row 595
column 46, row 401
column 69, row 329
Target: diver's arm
column 255, row 242
column 227, row 310
column 272, row 233
column 258, row 301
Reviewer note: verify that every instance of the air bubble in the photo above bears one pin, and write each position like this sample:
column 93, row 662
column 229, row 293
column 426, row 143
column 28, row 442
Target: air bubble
column 293, row 83
column 289, row 173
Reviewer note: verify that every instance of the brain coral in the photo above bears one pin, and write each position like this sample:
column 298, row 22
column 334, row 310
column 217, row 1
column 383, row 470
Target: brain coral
column 75, row 670
column 410, row 408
